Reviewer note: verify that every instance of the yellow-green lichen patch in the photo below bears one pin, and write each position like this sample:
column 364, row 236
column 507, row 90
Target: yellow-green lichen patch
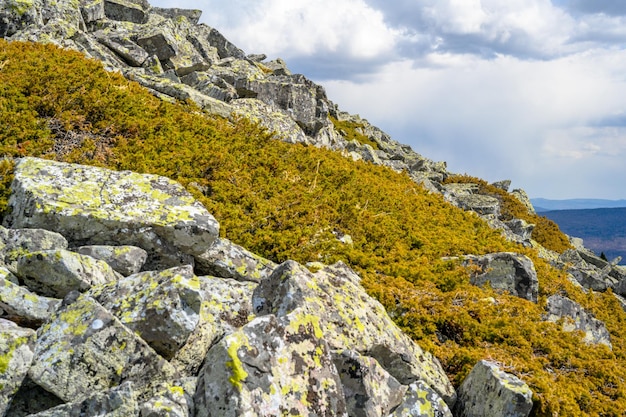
column 238, row 374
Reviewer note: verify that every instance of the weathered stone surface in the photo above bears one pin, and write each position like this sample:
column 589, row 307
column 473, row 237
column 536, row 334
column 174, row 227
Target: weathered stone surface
column 162, row 307
column 576, row 318
column 589, row 272
column 126, row 260
column 193, row 15
column 17, row 242
column 55, row 273
column 225, row 48
column 92, row 10
column 31, row 399
column 506, row 271
column 488, row 391
column 227, row 260
column 226, row 306
column 22, row 306
column 350, row 319
column 119, row 401
column 172, row 400
column 132, row 53
column 481, row 204
column 85, row 349
column 272, row 366
column 126, row 10
column 369, row 390
column 90, row 205
column 16, row 355
column 524, row 199
column 16, row 15
column 421, row 401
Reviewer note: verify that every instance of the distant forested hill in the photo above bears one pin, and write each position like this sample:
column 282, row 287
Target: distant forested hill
column 544, row 204
column 603, row 230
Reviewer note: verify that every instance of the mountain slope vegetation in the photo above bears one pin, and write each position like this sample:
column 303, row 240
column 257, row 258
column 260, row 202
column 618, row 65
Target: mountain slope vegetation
column 287, row 201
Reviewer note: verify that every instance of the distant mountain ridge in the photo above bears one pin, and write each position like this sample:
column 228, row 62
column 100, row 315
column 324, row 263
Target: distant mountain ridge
column 544, row 204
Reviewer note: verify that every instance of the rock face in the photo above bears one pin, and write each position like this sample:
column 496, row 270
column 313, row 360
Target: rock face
column 489, row 392
column 259, row 340
column 507, row 272
column 95, row 206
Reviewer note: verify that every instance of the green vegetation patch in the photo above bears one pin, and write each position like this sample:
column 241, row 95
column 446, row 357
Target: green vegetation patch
column 353, row 131
column 286, row 201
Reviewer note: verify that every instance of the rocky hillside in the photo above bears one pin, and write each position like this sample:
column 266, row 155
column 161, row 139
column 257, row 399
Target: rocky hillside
column 119, row 298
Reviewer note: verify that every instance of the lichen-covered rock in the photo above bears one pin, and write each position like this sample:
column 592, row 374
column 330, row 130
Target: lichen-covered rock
column 55, row 273
column 31, row 399
column 350, row 319
column 85, row 349
column 587, row 269
column 421, row 401
column 162, row 307
column 16, row 355
column 226, row 306
column 506, row 271
column 271, row 367
column 227, row 260
column 369, row 390
column 126, row 260
column 90, row 205
column 126, row 10
column 17, row 242
column 16, row 15
column 119, row 401
column 575, row 317
column 489, row 392
column 132, row 53
column 22, row 306
column 172, row 400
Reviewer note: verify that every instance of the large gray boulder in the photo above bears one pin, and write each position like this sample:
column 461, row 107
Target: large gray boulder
column 55, row 273
column 227, row 260
column 350, row 319
column 506, row 271
column 421, row 401
column 22, row 306
column 489, row 392
column 17, row 347
column 85, row 349
column 119, row 401
column 15, row 243
column 575, row 317
column 162, row 307
column 272, row 366
column 125, row 260
column 90, row 205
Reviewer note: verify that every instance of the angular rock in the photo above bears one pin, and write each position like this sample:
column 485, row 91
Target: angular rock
column 132, row 53
column 172, row 400
column 16, row 15
column 488, row 391
column 22, row 306
column 575, row 317
column 193, row 15
column 421, row 401
column 224, row 47
column 90, row 205
column 481, row 204
column 18, row 242
column 126, row 260
column 17, row 347
column 227, row 260
column 350, row 319
column 272, row 366
column 587, row 274
column 55, row 273
column 506, row 271
column 32, row 399
column 85, row 349
column 119, row 401
column 369, row 390
column 126, row 10
column 92, row 10
column 162, row 307
column 226, row 306
column 524, row 199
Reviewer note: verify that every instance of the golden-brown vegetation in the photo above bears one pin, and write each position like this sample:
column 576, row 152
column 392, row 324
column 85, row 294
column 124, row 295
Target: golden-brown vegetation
column 289, row 201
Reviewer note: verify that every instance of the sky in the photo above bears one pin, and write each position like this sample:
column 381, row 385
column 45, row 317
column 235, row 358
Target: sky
column 533, row 91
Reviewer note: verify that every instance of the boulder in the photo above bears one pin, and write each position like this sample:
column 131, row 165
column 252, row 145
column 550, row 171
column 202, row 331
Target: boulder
column 17, row 347
column 125, row 260
column 15, row 15
column 22, row 306
column 55, row 273
column 225, row 48
column 227, row 260
column 350, row 319
column 162, row 307
column 421, row 401
column 226, row 306
column 90, row 205
column 369, row 390
column 118, row 401
column 489, row 392
column 589, row 271
column 92, row 10
column 171, row 400
column 506, row 271
column 124, row 47
column 193, row 15
column 126, row 10
column 85, row 349
column 31, row 399
column 17, row 242
column 575, row 317
column 271, row 366
column 524, row 199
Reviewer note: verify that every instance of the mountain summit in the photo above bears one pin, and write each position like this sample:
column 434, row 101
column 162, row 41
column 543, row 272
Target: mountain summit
column 190, row 230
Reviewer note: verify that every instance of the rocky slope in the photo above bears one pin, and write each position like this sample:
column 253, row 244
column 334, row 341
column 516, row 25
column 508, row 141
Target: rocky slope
column 184, row 336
